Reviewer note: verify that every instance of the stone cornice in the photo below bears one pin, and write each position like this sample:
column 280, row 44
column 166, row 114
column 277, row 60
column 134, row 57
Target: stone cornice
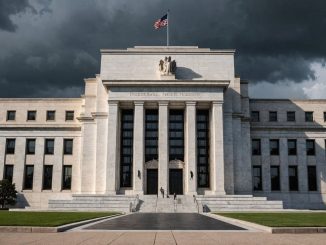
column 201, row 83
column 33, row 128
column 288, row 128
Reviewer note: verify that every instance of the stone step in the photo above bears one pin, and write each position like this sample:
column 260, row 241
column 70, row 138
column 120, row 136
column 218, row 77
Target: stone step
column 237, row 202
column 232, row 198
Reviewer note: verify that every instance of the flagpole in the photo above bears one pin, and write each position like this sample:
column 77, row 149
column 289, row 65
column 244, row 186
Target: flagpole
column 167, row 29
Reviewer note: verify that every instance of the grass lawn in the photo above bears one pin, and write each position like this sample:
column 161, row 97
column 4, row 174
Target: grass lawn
column 281, row 219
column 49, row 219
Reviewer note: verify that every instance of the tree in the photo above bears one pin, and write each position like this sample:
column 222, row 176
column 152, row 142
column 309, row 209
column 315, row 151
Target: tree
column 8, row 193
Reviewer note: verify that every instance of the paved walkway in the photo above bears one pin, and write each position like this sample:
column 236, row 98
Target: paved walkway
column 166, row 238
column 163, row 221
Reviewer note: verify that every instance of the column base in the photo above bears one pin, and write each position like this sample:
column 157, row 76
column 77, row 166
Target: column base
column 110, row 193
column 191, row 193
column 215, row 193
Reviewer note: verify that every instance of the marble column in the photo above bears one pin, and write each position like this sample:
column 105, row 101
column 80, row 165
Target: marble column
column 163, row 142
column 217, row 175
column 190, row 149
column 112, row 173
column 138, row 145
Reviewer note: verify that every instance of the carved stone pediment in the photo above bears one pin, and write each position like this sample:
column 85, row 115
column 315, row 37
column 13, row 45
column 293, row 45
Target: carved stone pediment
column 167, row 67
column 176, row 164
column 152, row 164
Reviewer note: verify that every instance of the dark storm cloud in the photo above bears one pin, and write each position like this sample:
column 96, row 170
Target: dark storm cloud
column 275, row 40
column 9, row 8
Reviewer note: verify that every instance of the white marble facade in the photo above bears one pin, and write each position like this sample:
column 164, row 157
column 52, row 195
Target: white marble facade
column 130, row 80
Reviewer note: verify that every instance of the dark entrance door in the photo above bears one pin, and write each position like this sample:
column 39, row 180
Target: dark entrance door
column 152, row 181
column 176, row 181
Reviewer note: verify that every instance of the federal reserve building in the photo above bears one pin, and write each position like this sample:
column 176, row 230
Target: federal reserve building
column 165, row 129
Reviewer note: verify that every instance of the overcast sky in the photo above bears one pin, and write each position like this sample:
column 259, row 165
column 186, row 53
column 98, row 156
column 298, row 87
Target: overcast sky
column 47, row 47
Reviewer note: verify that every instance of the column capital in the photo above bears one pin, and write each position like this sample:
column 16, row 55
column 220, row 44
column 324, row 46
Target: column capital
column 113, row 102
column 191, row 103
column 139, row 103
column 163, row 103
column 218, row 102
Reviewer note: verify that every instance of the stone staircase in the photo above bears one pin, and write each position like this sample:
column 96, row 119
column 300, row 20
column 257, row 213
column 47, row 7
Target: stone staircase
column 83, row 202
column 154, row 204
column 236, row 203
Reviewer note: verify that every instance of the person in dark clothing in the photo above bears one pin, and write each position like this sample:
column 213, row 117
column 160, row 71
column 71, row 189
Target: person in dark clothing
column 162, row 191
column 174, row 196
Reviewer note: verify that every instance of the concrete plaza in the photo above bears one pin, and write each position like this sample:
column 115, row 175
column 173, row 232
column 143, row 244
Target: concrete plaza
column 166, row 237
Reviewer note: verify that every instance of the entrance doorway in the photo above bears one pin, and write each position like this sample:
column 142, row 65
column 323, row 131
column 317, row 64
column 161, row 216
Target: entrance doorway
column 152, row 179
column 176, row 181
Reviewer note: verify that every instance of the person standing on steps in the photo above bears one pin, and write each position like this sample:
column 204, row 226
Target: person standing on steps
column 162, row 191
column 175, row 196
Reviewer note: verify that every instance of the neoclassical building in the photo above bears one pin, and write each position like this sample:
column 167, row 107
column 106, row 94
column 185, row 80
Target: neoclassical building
column 174, row 118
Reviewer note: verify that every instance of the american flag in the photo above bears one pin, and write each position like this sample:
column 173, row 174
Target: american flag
column 161, row 22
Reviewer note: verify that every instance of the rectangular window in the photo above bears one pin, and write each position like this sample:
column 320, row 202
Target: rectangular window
column 10, row 146
column 290, row 116
column 68, row 146
column 273, row 116
column 66, row 177
column 151, row 135
column 309, row 116
column 28, row 179
column 255, row 116
column 50, row 115
column 126, row 149
column 324, row 116
column 274, row 147
column 293, row 178
column 257, row 176
column 8, row 172
column 176, row 135
column 47, row 177
column 312, row 178
column 292, row 147
column 275, row 178
column 70, row 115
column 31, row 115
column 310, row 145
column 202, row 118
column 11, row 115
column 49, row 147
column 30, row 146
column 255, row 144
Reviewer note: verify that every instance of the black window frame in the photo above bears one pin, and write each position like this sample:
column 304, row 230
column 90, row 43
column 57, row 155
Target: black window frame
column 255, row 116
column 10, row 150
column 203, row 146
column 67, row 150
column 312, row 178
column 176, row 135
column 47, row 177
column 310, row 151
column 126, row 149
column 292, row 151
column 8, row 172
column 30, row 149
column 66, row 177
column 254, row 151
column 28, row 185
column 31, row 115
column 293, row 179
column 274, row 151
column 48, row 115
column 256, row 177
column 273, row 116
column 69, row 115
column 290, row 116
column 275, row 178
column 46, row 147
column 309, row 116
column 11, row 115
column 151, row 134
